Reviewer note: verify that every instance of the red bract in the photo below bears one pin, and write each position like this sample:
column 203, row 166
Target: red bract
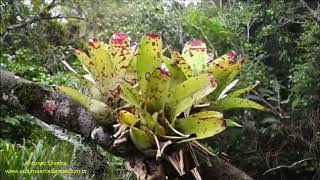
column 194, row 43
column 119, row 38
column 90, row 43
column 231, row 54
column 94, row 42
column 153, row 35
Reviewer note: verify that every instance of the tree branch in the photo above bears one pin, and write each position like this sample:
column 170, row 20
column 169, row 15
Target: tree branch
column 284, row 166
column 29, row 97
column 314, row 13
column 43, row 15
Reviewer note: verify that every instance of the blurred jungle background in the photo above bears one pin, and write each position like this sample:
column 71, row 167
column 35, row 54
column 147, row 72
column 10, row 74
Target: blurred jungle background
column 279, row 39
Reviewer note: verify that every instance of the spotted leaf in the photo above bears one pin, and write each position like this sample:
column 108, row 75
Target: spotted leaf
column 231, row 102
column 120, row 50
column 86, row 61
column 148, row 58
column 187, row 93
column 195, row 53
column 201, row 125
column 106, row 75
column 224, row 69
column 176, row 74
column 239, row 92
column 182, row 64
column 157, row 89
column 129, row 94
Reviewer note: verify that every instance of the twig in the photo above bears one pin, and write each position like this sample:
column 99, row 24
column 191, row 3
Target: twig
column 314, row 13
column 283, row 166
column 40, row 17
column 272, row 109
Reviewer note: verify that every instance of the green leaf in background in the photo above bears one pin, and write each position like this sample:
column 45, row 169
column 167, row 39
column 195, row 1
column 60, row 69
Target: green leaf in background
column 187, row 93
column 195, row 53
column 148, row 58
column 201, row 125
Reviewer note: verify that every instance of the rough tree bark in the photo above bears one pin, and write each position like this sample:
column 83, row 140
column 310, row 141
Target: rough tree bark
column 29, row 97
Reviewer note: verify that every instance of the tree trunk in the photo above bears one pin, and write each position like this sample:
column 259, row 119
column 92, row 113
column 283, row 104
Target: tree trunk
column 68, row 114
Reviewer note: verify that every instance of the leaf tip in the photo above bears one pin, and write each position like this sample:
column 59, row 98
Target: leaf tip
column 231, row 54
column 164, row 70
column 119, row 38
column 153, row 35
column 77, row 51
column 230, row 123
column 94, row 42
column 194, row 43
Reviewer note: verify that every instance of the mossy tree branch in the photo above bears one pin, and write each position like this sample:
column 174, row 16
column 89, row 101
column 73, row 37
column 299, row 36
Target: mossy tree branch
column 29, row 97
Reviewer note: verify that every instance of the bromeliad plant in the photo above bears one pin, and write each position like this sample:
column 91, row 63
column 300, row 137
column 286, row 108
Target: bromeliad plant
column 153, row 95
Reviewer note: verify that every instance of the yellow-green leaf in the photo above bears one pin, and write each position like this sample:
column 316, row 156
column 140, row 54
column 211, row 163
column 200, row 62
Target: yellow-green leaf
column 127, row 118
column 224, row 69
column 129, row 94
column 157, row 89
column 75, row 95
column 86, row 61
column 187, row 93
column 87, row 81
column 142, row 139
column 201, row 125
column 239, row 92
column 177, row 76
column 195, row 53
column 106, row 76
column 99, row 110
column 148, row 58
column 231, row 102
column 182, row 64
column 147, row 119
column 231, row 123
column 119, row 48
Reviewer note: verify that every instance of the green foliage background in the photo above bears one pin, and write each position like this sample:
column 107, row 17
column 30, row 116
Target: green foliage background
column 280, row 40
